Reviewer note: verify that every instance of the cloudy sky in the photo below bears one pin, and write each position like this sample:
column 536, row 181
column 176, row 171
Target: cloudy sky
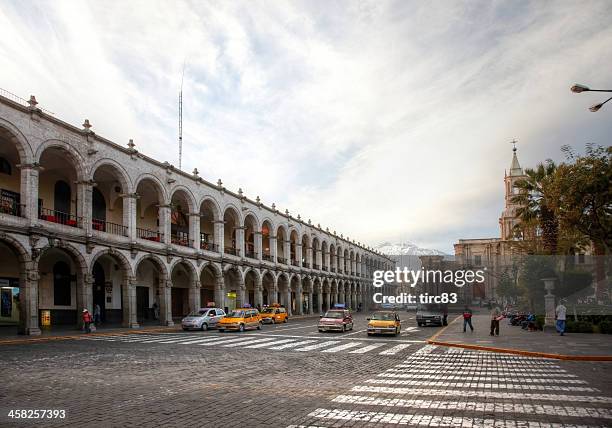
column 382, row 120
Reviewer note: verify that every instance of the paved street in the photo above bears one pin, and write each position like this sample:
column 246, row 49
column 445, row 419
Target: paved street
column 290, row 375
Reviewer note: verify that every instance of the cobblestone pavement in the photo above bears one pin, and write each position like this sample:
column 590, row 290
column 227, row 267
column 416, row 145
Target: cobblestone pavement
column 292, row 376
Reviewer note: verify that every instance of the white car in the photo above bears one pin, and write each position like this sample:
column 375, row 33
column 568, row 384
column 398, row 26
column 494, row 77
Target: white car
column 203, row 319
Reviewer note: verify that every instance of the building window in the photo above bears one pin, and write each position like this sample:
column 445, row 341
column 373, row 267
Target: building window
column 5, row 167
column 61, row 284
column 478, row 260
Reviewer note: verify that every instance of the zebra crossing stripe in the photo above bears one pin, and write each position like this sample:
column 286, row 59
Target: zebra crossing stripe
column 497, row 408
column 223, row 341
column 263, row 345
column 478, row 394
column 249, row 341
column 470, row 377
column 318, row 345
column 420, row 419
column 395, row 349
column 342, row 347
column 291, row 345
column 481, row 385
column 203, row 339
column 412, row 368
column 491, row 363
column 366, row 348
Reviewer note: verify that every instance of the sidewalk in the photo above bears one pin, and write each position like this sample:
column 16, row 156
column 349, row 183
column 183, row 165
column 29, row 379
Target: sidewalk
column 514, row 340
column 9, row 336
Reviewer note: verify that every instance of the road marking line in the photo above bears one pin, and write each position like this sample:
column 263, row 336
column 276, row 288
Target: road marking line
column 249, row 341
column 489, row 394
column 204, row 339
column 469, row 378
column 291, row 345
column 491, row 372
column 318, row 345
column 471, row 364
column 339, row 336
column 420, row 419
column 223, row 341
column 355, row 332
column 281, row 329
column 263, row 345
column 395, row 349
column 367, row 348
column 497, row 408
column 483, row 361
column 342, row 347
column 481, row 385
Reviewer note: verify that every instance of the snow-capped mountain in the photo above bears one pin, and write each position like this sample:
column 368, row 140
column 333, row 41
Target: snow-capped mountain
column 407, row 249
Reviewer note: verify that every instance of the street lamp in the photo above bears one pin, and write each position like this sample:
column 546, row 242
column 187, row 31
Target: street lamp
column 577, row 88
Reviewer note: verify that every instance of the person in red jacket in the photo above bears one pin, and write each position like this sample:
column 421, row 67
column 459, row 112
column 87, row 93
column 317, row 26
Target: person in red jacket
column 87, row 321
column 467, row 318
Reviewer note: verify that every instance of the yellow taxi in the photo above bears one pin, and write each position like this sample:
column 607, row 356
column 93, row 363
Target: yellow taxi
column 384, row 322
column 240, row 319
column 274, row 313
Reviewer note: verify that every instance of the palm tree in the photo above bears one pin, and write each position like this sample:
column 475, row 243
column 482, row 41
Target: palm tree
column 535, row 201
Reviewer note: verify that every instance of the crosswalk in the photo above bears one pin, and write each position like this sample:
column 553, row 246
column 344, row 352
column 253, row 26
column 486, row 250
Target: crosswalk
column 260, row 341
column 445, row 387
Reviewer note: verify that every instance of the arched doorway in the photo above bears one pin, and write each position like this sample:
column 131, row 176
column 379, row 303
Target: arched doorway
column 11, row 304
column 150, row 197
column 208, row 282
column 209, row 214
column 233, row 289
column 99, row 290
column 107, row 200
column 269, row 295
column 10, row 176
column 152, row 300
column 231, row 221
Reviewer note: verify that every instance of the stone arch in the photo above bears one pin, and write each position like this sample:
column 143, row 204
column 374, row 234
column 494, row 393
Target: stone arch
column 12, row 133
column 233, row 283
column 214, row 206
column 76, row 160
column 186, row 194
column 159, row 187
column 156, row 261
column 121, row 173
column 269, row 292
column 251, row 227
column 117, row 255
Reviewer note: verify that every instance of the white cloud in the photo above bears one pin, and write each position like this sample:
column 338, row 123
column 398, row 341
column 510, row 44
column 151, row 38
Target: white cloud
column 381, row 120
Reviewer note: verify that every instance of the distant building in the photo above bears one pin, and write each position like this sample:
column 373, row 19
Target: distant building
column 493, row 253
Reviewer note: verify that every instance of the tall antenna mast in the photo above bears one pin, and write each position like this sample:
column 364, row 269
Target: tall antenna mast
column 181, row 119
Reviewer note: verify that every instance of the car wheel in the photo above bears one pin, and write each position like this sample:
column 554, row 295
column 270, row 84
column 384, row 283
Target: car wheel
column 286, row 319
column 344, row 328
column 272, row 320
column 259, row 326
column 204, row 326
column 241, row 328
column 397, row 331
column 320, row 331
column 185, row 329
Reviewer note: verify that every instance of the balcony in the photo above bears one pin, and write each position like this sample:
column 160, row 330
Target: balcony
column 295, row 263
column 209, row 246
column 316, row 266
column 333, row 269
column 149, row 235
column 233, row 251
column 251, row 254
column 108, row 227
column 59, row 217
column 180, row 238
column 9, row 204
column 282, row 260
column 267, row 257
column 325, row 268
column 305, row 264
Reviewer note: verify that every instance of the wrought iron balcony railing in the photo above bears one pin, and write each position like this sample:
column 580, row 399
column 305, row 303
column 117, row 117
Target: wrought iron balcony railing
column 59, row 217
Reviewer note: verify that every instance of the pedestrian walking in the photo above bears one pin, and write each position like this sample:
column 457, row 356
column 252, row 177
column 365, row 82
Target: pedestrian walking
column 97, row 314
column 467, row 318
column 155, row 311
column 560, row 316
column 496, row 316
column 87, row 321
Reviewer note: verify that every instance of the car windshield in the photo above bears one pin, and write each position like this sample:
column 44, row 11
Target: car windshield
column 383, row 316
column 334, row 314
column 198, row 313
column 267, row 311
column 431, row 307
column 236, row 314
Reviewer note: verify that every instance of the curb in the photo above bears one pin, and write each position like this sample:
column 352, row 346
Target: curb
column 523, row 352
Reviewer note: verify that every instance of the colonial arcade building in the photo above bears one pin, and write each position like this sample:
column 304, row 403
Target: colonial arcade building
column 84, row 221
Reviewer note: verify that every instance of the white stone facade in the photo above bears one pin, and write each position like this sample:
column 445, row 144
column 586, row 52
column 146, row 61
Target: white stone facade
column 123, row 221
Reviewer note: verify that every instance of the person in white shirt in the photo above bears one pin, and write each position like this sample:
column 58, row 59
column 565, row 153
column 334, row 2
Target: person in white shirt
column 560, row 315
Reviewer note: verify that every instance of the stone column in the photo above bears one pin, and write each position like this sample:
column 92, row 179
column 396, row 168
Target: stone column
column 220, row 292
column 84, row 296
column 194, row 230
column 327, row 261
column 259, row 292
column 165, row 302
column 130, row 213
column 240, row 290
column 29, row 193
column 288, row 297
column 320, row 299
column 298, row 254
column 327, row 301
column 240, row 241
column 273, row 249
column 310, row 299
column 549, row 302
column 28, row 317
column 309, row 256
column 83, row 204
column 165, row 216
column 258, row 244
column 298, row 301
column 287, row 249
column 194, row 296
column 219, row 236
column 128, row 293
